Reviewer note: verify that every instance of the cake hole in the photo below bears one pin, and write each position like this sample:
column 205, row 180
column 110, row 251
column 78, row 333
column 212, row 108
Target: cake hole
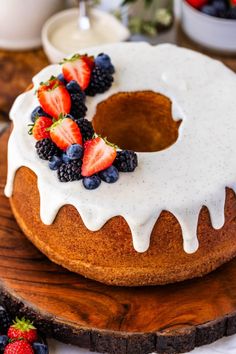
column 140, row 121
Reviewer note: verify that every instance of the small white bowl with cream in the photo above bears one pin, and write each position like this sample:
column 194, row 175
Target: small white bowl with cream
column 61, row 35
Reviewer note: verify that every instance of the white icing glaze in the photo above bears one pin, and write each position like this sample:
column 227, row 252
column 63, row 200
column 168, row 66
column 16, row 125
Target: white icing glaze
column 181, row 179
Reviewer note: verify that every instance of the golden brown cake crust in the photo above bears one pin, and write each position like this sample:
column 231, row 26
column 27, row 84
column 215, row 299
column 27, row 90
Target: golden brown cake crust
column 108, row 255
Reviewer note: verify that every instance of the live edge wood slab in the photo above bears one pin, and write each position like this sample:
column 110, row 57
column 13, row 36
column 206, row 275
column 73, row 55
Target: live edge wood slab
column 165, row 319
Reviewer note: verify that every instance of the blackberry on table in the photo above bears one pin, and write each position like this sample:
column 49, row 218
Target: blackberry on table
column 70, row 171
column 5, row 320
column 101, row 81
column 86, row 128
column 126, row 161
column 46, row 149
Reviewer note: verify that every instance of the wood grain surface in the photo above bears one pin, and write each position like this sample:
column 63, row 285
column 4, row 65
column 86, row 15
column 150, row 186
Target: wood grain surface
column 68, row 307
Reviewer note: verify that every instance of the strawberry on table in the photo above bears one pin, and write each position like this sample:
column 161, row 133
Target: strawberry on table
column 40, row 129
column 65, row 132
column 19, row 347
column 23, row 329
column 197, row 4
column 54, row 97
column 78, row 68
column 98, row 155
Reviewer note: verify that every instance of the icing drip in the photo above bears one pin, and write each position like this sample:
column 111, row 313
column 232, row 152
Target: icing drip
column 181, row 179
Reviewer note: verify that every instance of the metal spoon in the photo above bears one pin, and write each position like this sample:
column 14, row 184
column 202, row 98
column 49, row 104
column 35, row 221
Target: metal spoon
column 83, row 20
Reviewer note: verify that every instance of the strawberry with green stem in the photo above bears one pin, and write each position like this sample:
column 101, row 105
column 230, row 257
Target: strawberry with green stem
column 65, row 132
column 98, row 155
column 23, row 329
column 78, row 68
column 54, row 98
column 40, row 129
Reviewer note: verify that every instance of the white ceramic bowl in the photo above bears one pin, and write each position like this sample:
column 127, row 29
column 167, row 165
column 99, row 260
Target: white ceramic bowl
column 54, row 54
column 21, row 22
column 211, row 32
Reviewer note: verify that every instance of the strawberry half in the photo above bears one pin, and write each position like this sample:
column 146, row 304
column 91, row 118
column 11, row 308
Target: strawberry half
column 23, row 329
column 98, row 155
column 78, row 68
column 54, row 98
column 65, row 132
column 40, row 129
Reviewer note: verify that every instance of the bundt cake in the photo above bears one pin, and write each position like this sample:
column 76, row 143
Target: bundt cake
column 172, row 113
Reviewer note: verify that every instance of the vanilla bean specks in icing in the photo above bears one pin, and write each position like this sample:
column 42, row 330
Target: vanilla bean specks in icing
column 182, row 178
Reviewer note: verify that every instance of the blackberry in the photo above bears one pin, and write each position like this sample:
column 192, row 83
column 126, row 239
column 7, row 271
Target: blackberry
column 70, row 171
column 46, row 149
column 78, row 107
column 5, row 320
column 126, row 161
column 101, row 81
column 86, row 128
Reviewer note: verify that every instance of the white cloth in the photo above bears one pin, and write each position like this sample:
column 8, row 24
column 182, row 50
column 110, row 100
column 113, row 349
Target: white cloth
column 226, row 345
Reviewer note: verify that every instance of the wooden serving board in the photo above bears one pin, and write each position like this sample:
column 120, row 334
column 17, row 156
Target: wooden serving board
column 68, row 307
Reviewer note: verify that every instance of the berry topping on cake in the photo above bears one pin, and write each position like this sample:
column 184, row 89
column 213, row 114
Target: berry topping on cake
column 65, row 137
column 126, row 161
column 40, row 129
column 86, row 128
column 98, row 155
column 38, row 112
column 19, row 347
column 70, row 171
column 54, row 98
column 101, row 81
column 78, row 107
column 110, row 175
column 55, row 162
column 46, row 149
column 65, row 132
column 92, row 182
column 78, row 68
column 104, row 61
column 23, row 329
column 75, row 152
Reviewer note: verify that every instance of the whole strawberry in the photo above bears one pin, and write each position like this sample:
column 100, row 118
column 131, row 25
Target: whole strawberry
column 19, row 347
column 23, row 329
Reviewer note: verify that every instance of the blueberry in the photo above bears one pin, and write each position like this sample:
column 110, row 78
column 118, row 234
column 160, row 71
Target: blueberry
column 220, row 6
column 38, row 112
column 75, row 152
column 55, row 162
column 209, row 10
column 62, row 79
column 40, row 348
column 73, row 87
column 65, row 158
column 110, row 175
column 3, row 342
column 92, row 182
column 104, row 61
